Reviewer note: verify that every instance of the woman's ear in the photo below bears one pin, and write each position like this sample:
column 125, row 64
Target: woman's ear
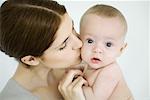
column 30, row 60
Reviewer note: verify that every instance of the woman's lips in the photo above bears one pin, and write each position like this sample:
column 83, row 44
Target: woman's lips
column 95, row 60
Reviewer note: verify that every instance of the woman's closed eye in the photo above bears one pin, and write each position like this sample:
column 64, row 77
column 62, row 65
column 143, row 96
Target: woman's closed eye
column 63, row 46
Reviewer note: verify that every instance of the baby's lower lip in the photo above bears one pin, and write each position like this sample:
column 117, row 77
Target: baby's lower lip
column 95, row 61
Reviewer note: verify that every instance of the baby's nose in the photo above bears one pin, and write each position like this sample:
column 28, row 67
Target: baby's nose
column 97, row 49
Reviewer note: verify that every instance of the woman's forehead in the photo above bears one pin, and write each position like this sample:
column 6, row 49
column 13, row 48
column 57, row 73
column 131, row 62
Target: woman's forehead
column 64, row 31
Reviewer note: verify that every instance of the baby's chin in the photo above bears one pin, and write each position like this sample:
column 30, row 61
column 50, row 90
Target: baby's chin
column 95, row 66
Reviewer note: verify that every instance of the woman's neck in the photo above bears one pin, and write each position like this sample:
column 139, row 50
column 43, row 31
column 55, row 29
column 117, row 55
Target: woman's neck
column 31, row 78
column 41, row 81
column 55, row 76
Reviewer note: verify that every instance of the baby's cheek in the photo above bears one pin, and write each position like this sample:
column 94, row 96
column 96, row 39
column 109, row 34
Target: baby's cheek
column 83, row 53
column 83, row 50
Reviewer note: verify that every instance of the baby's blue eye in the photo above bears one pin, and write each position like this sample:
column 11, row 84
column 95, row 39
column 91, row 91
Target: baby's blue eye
column 90, row 41
column 108, row 44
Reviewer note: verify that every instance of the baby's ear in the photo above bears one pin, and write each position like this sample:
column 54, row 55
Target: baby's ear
column 30, row 60
column 123, row 47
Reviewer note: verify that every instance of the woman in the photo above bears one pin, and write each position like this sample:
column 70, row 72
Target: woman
column 41, row 36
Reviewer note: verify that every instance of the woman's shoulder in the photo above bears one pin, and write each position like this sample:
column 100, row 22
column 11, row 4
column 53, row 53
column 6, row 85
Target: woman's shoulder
column 13, row 91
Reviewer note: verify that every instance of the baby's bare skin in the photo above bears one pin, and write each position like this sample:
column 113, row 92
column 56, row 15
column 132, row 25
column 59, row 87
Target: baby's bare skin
column 107, row 84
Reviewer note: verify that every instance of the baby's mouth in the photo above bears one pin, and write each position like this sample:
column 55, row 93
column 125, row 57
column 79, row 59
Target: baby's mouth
column 95, row 60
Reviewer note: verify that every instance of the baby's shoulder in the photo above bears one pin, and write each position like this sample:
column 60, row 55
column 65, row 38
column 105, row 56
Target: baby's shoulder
column 112, row 71
column 112, row 67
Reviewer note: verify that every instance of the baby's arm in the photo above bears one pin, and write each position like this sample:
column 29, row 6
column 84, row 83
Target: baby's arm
column 106, row 81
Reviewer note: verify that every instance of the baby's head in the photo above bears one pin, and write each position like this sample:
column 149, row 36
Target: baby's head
column 103, row 29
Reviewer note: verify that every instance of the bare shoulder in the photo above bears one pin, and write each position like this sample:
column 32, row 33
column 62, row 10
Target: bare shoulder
column 113, row 71
column 112, row 67
column 121, row 92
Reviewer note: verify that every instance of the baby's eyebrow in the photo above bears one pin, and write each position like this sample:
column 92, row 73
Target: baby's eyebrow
column 109, row 38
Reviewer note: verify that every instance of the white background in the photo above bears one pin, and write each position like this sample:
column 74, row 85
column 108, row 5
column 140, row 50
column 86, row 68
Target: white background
column 134, row 61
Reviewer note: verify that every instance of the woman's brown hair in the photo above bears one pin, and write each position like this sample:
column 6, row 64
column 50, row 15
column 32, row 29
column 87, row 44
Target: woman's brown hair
column 28, row 27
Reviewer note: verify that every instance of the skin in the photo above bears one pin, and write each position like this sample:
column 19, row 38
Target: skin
column 45, row 75
column 65, row 47
column 102, row 39
column 103, row 42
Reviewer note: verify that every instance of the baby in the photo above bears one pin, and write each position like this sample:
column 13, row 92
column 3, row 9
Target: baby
column 103, row 29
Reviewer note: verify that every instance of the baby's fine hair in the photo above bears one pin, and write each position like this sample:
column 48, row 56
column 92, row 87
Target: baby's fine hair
column 105, row 11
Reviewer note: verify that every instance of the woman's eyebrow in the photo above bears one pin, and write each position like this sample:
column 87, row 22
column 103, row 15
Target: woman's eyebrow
column 64, row 41
column 68, row 36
